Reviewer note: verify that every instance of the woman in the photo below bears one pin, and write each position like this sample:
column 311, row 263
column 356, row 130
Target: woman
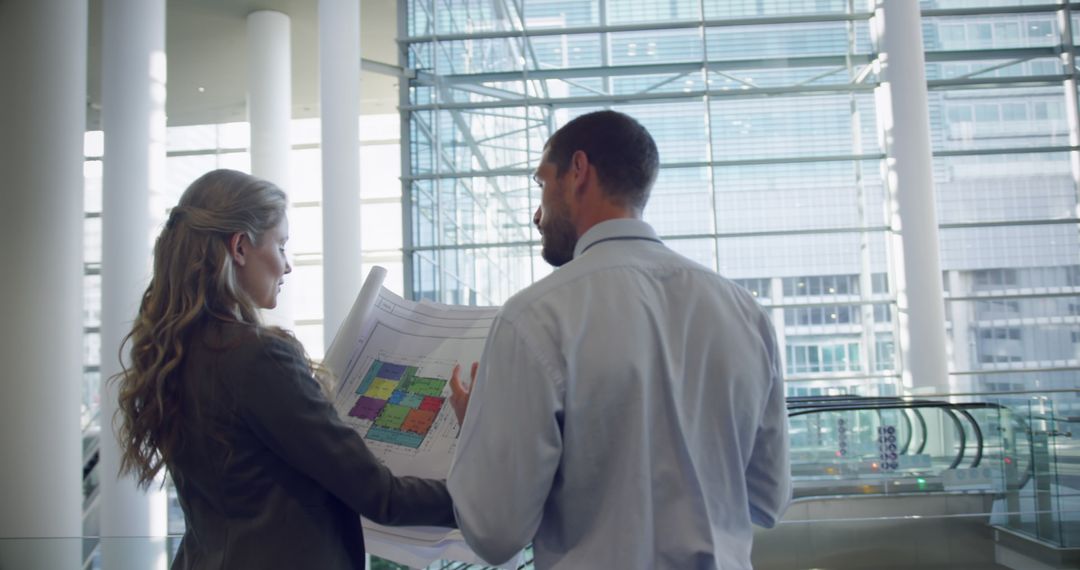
column 267, row 474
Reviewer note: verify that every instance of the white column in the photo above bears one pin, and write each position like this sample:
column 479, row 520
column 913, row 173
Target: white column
column 269, row 105
column 133, row 119
column 339, row 99
column 42, row 121
column 905, row 118
column 1072, row 112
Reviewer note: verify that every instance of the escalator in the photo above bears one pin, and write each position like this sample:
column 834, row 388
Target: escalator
column 915, row 483
column 860, row 441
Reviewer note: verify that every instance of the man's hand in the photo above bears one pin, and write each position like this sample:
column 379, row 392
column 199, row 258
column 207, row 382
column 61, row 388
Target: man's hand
column 459, row 393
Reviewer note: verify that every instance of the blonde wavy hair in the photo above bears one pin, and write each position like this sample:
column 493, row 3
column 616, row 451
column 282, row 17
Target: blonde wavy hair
column 194, row 283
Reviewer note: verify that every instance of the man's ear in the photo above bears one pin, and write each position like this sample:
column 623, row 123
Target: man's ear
column 579, row 167
column 238, row 247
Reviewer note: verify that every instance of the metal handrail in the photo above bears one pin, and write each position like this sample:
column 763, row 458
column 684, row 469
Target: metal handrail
column 895, row 406
column 814, row 404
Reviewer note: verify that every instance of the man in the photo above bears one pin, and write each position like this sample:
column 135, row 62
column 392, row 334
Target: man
column 628, row 411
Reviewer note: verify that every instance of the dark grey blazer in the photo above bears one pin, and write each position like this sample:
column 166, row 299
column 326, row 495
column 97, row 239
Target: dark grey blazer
column 267, row 474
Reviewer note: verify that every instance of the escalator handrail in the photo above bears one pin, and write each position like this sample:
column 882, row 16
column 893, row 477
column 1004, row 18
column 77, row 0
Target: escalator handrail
column 909, row 432
column 978, row 437
column 925, row 432
column 963, row 437
column 946, row 407
column 915, row 404
column 899, row 403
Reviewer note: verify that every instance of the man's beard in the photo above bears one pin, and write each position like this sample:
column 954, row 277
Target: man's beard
column 559, row 240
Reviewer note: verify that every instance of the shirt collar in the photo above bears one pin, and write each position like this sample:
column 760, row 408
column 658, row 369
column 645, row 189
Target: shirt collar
column 619, row 228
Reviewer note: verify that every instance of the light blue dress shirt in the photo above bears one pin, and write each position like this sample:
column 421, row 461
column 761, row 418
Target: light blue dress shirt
column 628, row 413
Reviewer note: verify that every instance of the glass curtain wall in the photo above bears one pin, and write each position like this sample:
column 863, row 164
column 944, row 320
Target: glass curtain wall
column 1003, row 110
column 771, row 165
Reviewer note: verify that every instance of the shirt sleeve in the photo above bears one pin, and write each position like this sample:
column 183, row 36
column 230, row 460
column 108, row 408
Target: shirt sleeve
column 768, row 476
column 284, row 407
column 509, row 448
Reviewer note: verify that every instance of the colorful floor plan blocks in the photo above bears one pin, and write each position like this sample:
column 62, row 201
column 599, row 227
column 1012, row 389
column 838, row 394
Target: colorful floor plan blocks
column 418, row 421
column 367, row 408
column 401, row 405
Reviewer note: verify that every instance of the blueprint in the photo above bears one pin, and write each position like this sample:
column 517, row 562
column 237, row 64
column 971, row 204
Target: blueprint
column 392, row 360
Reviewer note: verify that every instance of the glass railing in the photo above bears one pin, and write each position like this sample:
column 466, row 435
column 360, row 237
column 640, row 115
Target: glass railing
column 956, row 469
column 1046, row 504
column 1016, row 450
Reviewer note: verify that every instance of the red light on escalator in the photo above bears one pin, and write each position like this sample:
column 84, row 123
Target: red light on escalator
column 1008, row 461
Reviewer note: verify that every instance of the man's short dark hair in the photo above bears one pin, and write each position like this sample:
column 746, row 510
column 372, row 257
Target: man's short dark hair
column 622, row 151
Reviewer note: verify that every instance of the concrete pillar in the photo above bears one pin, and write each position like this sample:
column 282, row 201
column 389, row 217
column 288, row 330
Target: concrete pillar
column 339, row 100
column 42, row 121
column 133, row 121
column 269, row 105
column 905, row 121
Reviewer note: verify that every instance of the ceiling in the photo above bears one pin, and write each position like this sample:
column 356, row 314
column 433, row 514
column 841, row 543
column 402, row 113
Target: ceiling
column 206, row 50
